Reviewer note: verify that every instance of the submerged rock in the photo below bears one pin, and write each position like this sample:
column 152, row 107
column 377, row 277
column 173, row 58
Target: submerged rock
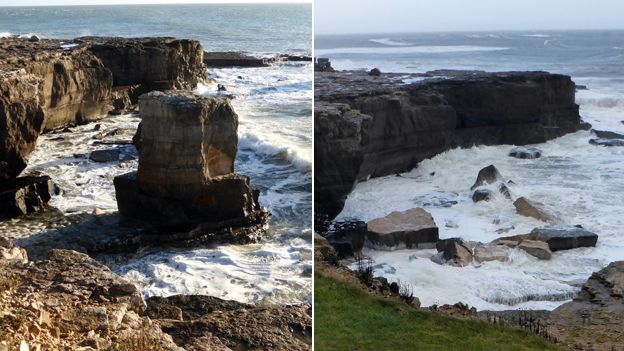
column 487, row 175
column 414, row 228
column 607, row 142
column 605, row 134
column 104, row 155
column 525, row 152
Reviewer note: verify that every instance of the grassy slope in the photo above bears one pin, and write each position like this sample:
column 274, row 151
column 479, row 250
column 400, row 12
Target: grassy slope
column 347, row 318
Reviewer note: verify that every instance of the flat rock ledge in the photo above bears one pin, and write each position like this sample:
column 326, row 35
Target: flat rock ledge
column 185, row 187
column 68, row 301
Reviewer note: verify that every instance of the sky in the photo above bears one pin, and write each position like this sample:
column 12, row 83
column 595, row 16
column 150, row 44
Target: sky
column 127, row 2
column 376, row 16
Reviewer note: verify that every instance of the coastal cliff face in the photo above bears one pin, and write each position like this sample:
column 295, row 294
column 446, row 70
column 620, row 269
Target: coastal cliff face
column 50, row 83
column 438, row 111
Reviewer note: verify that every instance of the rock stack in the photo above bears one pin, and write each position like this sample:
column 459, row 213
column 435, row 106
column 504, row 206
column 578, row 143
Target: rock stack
column 185, row 180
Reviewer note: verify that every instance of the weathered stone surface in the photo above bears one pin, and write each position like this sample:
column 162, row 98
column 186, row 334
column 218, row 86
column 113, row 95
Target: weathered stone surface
column 525, row 152
column 487, row 175
column 528, row 208
column 414, row 228
column 482, row 195
column 186, row 140
column 606, row 142
column 346, row 237
column 323, row 251
column 24, row 195
column 160, row 63
column 11, row 253
column 258, row 328
column 565, row 238
column 539, row 249
column 594, row 319
column 606, row 134
column 407, row 123
column 189, row 306
column 184, row 182
column 44, row 86
column 237, row 59
column 488, row 252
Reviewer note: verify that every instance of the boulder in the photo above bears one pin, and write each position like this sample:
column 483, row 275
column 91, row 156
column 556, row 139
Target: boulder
column 525, row 152
column 24, row 195
column 11, row 253
column 346, row 237
column 528, row 208
column 489, row 252
column 456, row 251
column 482, row 195
column 539, row 249
column 414, row 228
column 104, row 155
column 487, row 175
column 374, row 72
column 559, row 238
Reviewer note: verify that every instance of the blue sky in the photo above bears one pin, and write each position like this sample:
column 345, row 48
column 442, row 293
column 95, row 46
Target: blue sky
column 375, row 16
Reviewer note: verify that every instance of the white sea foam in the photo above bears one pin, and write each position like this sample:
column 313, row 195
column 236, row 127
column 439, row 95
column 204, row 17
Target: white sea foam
column 425, row 49
column 579, row 181
column 537, row 35
column 5, row 34
column 390, row 42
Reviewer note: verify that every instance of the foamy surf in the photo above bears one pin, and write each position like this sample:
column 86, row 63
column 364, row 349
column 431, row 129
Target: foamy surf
column 390, row 42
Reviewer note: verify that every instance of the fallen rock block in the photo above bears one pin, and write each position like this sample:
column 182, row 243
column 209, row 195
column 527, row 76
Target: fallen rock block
column 565, row 238
column 455, row 251
column 487, row 175
column 536, row 248
column 528, row 208
column 104, row 155
column 414, row 228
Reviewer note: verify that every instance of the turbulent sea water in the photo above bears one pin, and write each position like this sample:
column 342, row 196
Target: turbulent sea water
column 583, row 183
column 274, row 105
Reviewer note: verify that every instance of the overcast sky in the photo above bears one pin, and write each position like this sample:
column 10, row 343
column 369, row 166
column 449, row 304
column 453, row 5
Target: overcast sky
column 114, row 2
column 376, row 16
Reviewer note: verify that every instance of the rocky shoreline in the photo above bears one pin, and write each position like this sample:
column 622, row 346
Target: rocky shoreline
column 185, row 194
column 376, row 125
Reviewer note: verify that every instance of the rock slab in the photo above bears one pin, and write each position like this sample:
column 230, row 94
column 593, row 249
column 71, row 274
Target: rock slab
column 414, row 228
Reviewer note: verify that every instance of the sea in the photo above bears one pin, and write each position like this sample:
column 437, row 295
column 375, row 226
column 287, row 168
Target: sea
column 580, row 182
column 274, row 107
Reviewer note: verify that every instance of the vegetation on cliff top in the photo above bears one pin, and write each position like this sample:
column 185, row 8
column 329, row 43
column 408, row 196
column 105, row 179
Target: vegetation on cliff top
column 347, row 318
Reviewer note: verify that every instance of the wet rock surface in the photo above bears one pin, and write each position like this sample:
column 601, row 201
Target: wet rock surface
column 407, row 123
column 414, row 228
column 23, row 195
column 525, row 152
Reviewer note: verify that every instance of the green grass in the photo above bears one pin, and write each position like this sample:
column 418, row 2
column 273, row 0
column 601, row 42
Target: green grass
column 347, row 318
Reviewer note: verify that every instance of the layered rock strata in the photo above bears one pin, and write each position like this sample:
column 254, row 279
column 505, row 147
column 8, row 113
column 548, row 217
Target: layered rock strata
column 239, row 59
column 49, row 84
column 371, row 126
column 185, row 180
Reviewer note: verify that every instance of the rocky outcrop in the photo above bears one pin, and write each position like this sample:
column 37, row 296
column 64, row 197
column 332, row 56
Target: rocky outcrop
column 524, row 152
column 489, row 181
column 208, row 323
column 414, row 228
column 185, row 181
column 406, row 123
column 69, row 302
column 594, row 319
column 237, row 59
column 557, row 238
column 50, row 83
column 155, row 63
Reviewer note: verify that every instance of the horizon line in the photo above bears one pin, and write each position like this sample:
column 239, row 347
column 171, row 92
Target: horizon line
column 473, row 31
column 206, row 2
